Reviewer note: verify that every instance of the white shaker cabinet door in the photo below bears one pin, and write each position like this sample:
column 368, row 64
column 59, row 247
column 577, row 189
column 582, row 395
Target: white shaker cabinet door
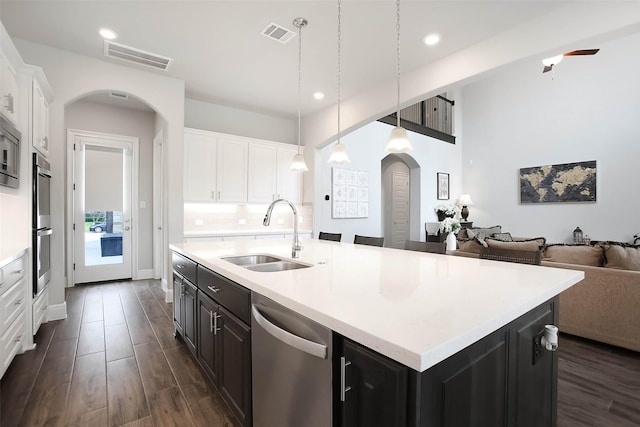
column 231, row 171
column 262, row 173
column 199, row 167
column 40, row 120
column 9, row 90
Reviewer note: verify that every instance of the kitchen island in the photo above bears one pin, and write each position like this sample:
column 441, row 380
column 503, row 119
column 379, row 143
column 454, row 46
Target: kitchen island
column 417, row 309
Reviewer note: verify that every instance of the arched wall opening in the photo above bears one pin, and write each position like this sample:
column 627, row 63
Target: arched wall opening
column 400, row 203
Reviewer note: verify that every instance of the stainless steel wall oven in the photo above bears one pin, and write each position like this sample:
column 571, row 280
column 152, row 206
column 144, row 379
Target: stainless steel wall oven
column 41, row 223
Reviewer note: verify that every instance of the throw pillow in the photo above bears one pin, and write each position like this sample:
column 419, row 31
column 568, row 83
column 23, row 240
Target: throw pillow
column 469, row 245
column 521, row 245
column 574, row 254
column 481, row 233
column 622, row 256
column 505, row 237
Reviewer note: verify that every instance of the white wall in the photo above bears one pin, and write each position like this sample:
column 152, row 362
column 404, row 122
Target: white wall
column 218, row 118
column 588, row 111
column 365, row 147
column 73, row 76
column 95, row 117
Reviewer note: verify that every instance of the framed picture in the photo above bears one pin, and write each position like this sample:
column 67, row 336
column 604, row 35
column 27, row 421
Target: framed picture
column 443, row 186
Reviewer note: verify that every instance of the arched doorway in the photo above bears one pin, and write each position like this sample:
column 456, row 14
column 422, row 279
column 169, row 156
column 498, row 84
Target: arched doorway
column 400, row 175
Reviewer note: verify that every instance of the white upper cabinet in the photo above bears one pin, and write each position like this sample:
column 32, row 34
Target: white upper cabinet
column 9, row 90
column 289, row 182
column 234, row 169
column 199, row 167
column 263, row 172
column 231, row 173
column 40, row 123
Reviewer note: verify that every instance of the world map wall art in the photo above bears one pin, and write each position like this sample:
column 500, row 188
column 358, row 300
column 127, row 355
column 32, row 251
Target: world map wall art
column 568, row 182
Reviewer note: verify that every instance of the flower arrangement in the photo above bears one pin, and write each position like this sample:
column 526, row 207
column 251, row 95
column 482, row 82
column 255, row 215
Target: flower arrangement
column 450, row 225
column 444, row 211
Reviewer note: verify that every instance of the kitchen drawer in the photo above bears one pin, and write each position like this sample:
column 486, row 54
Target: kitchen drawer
column 40, row 306
column 184, row 266
column 11, row 273
column 236, row 298
column 11, row 343
column 11, row 305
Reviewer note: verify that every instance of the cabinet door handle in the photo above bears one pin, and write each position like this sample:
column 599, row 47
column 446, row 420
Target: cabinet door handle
column 213, row 195
column 18, row 272
column 215, row 323
column 18, row 302
column 18, row 339
column 211, row 321
column 344, row 388
column 9, row 105
column 179, row 266
column 213, row 289
column 182, row 289
column 218, row 195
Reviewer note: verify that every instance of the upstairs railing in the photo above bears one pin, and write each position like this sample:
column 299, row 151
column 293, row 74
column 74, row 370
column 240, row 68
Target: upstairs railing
column 432, row 117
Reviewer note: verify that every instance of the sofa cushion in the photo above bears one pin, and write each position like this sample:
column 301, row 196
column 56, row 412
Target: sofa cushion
column 481, row 233
column 505, row 237
column 469, row 245
column 521, row 245
column 574, row 254
column 621, row 256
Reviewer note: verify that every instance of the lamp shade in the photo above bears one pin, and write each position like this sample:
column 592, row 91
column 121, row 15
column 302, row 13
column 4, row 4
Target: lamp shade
column 339, row 154
column 398, row 141
column 298, row 164
column 465, row 200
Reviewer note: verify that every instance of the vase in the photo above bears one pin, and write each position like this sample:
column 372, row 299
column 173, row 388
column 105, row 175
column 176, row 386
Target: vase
column 451, row 242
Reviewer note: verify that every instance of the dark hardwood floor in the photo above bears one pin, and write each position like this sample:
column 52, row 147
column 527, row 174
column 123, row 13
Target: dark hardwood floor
column 598, row 384
column 113, row 362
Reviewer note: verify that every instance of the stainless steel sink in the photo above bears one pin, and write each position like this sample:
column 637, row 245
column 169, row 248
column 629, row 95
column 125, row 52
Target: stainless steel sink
column 277, row 266
column 264, row 262
column 247, row 260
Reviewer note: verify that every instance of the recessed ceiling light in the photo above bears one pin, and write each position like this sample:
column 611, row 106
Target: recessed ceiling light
column 108, row 34
column 431, row 39
column 318, row 95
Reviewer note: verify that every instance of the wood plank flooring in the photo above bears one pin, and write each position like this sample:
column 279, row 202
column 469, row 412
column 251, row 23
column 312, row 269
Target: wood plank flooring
column 113, row 362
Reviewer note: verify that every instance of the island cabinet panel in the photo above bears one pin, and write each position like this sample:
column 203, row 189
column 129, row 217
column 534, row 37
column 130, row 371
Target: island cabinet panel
column 496, row 381
column 177, row 303
column 375, row 388
column 189, row 298
column 224, row 339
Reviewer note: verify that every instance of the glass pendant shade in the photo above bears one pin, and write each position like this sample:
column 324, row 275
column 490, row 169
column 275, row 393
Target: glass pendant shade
column 298, row 164
column 339, row 154
column 398, row 141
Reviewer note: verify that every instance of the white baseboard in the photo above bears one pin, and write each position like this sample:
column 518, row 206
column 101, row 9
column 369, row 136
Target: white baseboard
column 168, row 295
column 144, row 274
column 57, row 312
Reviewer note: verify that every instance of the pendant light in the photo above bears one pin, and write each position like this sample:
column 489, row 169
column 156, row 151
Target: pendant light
column 298, row 164
column 398, row 140
column 338, row 152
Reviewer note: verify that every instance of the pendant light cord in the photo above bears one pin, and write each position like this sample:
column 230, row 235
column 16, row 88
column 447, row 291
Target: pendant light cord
column 299, row 78
column 398, row 55
column 339, row 40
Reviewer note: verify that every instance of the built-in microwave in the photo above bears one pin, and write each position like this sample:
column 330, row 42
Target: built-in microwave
column 9, row 154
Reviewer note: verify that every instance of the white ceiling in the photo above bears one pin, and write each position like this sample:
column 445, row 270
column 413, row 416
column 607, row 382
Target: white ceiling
column 219, row 52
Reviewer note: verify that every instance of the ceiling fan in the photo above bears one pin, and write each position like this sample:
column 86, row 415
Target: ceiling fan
column 555, row 60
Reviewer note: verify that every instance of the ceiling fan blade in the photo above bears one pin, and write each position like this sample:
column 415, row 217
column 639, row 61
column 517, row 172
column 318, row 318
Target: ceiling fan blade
column 547, row 68
column 582, row 52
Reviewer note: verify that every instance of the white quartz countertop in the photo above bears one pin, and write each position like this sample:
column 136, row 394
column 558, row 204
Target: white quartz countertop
column 254, row 232
column 416, row 308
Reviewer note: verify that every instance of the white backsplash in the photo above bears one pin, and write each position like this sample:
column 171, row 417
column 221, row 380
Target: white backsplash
column 227, row 217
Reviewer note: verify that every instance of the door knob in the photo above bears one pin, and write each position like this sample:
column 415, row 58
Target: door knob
column 127, row 228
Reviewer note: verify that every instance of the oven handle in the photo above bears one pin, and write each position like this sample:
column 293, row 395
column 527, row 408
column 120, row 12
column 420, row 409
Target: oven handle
column 44, row 232
column 44, row 172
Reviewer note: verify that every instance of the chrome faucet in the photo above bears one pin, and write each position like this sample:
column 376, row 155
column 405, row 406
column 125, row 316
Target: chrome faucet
column 297, row 246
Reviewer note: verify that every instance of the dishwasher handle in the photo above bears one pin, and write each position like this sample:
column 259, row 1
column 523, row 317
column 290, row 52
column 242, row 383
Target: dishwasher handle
column 302, row 344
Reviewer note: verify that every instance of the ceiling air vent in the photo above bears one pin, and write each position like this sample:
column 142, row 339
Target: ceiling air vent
column 131, row 54
column 278, row 33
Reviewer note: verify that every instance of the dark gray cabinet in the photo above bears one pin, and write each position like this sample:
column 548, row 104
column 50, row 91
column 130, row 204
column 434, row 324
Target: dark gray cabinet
column 184, row 299
column 504, row 379
column 375, row 388
column 211, row 313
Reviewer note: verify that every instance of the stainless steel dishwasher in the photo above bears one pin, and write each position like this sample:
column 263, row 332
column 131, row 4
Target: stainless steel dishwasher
column 291, row 367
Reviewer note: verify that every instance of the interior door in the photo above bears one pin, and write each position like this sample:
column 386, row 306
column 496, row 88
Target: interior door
column 400, row 209
column 102, row 208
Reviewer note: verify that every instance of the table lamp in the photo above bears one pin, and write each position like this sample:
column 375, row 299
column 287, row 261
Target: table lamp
column 464, row 201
